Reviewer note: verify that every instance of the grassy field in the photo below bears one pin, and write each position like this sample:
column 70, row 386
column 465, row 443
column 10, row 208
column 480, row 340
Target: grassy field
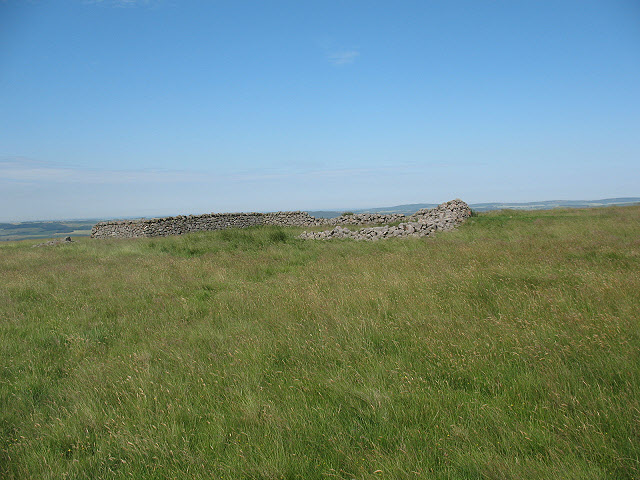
column 507, row 349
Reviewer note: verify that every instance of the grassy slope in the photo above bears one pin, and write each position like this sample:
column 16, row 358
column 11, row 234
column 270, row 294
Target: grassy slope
column 506, row 349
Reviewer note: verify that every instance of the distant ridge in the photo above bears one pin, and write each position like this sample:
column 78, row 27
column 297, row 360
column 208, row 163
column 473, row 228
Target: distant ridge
column 549, row 204
column 483, row 207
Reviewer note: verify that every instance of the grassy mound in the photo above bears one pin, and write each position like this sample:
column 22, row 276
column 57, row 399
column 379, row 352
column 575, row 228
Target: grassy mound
column 508, row 348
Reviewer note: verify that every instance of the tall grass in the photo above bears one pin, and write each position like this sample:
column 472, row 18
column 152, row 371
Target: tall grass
column 508, row 348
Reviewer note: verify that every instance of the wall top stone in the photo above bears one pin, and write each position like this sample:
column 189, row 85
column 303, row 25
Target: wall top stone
column 423, row 223
column 449, row 213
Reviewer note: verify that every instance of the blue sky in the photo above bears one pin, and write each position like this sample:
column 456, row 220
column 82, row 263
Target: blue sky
column 140, row 108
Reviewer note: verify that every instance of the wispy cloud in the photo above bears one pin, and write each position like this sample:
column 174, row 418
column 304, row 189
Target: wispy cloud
column 324, row 173
column 123, row 3
column 336, row 52
column 26, row 170
column 343, row 57
column 46, row 190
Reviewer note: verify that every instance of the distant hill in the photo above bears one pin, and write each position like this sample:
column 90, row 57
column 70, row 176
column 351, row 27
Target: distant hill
column 549, row 204
column 406, row 209
column 63, row 228
column 483, row 207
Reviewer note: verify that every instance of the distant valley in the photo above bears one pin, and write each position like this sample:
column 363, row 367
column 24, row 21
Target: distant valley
column 53, row 229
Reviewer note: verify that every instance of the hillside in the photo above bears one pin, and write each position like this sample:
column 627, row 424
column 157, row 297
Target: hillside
column 508, row 348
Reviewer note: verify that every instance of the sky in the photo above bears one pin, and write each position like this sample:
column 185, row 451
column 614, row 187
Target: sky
column 125, row 108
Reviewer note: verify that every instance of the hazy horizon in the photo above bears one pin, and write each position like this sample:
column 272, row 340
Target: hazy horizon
column 316, row 210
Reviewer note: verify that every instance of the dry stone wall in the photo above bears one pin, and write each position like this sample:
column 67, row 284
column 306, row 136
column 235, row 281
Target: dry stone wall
column 367, row 219
column 162, row 227
column 422, row 223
